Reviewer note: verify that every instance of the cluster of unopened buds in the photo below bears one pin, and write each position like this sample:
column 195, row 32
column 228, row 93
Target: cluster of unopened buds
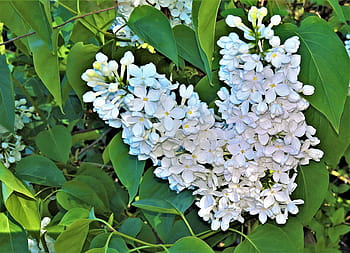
column 242, row 161
column 179, row 13
column 11, row 142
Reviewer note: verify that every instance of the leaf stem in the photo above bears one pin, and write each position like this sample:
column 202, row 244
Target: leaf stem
column 114, row 231
column 245, row 237
column 186, row 223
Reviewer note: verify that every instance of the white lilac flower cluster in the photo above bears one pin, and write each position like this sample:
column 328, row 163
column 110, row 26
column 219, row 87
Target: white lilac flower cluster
column 35, row 247
column 11, row 143
column 246, row 161
column 263, row 109
column 347, row 44
column 179, row 13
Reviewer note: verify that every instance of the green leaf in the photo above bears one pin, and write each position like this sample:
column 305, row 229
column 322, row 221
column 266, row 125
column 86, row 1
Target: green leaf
column 116, row 243
column 337, row 9
column 7, row 99
column 131, row 226
column 40, row 170
column 270, row 238
column 332, row 144
column 12, row 182
column 128, row 168
column 12, row 237
column 187, row 45
column 15, row 23
column 76, row 193
column 74, row 215
column 204, row 23
column 73, row 239
column 207, row 90
column 154, row 188
column 37, row 17
column 335, row 232
column 46, row 66
column 24, row 210
column 277, row 7
column 338, row 216
column 152, row 26
column 325, row 65
column 190, row 245
column 249, row 2
column 162, row 223
column 55, row 143
column 79, row 59
column 156, row 205
column 312, row 187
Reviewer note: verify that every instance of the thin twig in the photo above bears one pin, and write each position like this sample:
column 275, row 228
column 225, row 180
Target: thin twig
column 94, row 142
column 58, row 26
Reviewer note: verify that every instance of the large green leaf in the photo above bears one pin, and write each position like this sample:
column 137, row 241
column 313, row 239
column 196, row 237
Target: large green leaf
column 131, row 226
column 325, row 65
column 36, row 14
column 55, row 143
column 12, row 182
column 152, row 26
column 74, row 215
column 77, row 193
column 127, row 167
column 15, row 23
column 46, row 65
column 190, row 245
column 79, row 59
column 24, row 210
column 12, row 237
column 73, row 238
column 270, row 238
column 332, row 144
column 187, row 45
column 312, row 187
column 204, row 19
column 7, row 103
column 40, row 170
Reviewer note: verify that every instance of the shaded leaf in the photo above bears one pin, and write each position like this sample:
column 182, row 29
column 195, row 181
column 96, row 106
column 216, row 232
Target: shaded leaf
column 55, row 143
column 40, row 170
column 152, row 26
column 332, row 144
column 277, row 7
column 156, row 205
column 7, row 99
column 37, row 17
column 12, row 237
column 337, row 9
column 46, row 66
column 187, row 45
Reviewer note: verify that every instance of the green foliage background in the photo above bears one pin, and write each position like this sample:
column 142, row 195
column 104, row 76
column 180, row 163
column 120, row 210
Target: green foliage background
column 79, row 172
